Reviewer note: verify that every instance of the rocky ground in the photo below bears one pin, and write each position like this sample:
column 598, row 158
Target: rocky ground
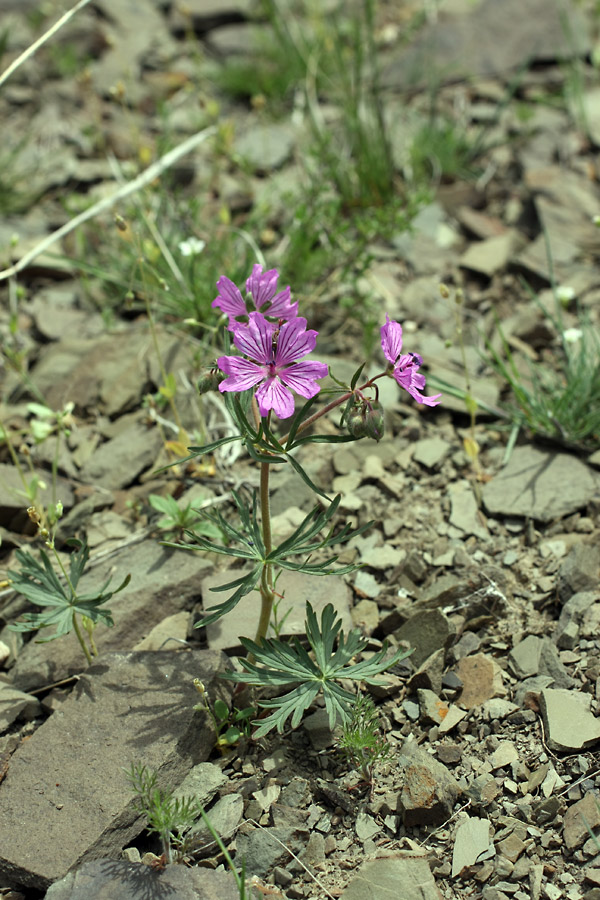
column 488, row 569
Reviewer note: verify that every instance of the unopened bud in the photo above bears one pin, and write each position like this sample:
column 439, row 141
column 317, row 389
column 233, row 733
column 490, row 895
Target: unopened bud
column 355, row 421
column 58, row 509
column 365, row 419
column 374, row 421
column 444, row 291
column 209, row 381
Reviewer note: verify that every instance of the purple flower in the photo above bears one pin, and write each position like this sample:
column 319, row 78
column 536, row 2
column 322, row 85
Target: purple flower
column 272, row 363
column 261, row 288
column 406, row 366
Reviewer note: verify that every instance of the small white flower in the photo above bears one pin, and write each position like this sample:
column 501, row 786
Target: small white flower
column 565, row 293
column 191, row 247
column 572, row 335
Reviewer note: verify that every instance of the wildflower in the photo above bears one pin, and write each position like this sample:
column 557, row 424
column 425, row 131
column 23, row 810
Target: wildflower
column 261, row 296
column 272, row 363
column 564, row 294
column 191, row 247
column 572, row 335
column 405, row 365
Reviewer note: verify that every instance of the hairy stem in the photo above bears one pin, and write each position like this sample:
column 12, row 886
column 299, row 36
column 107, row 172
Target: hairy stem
column 82, row 642
column 267, row 595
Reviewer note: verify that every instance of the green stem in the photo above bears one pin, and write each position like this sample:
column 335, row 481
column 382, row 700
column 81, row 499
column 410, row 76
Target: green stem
column 332, row 405
column 267, row 595
column 81, row 640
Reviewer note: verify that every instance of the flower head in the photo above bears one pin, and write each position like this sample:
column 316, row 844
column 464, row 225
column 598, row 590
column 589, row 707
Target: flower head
column 191, row 247
column 272, row 363
column 261, row 296
column 405, row 365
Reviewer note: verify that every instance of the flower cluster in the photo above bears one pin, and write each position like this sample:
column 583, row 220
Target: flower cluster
column 261, row 296
column 273, row 340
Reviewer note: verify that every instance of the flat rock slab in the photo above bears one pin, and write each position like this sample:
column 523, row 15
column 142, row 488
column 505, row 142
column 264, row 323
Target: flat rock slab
column 486, row 41
column 163, row 582
column 540, row 485
column 569, row 722
column 393, row 876
column 106, row 879
column 297, row 588
column 66, row 797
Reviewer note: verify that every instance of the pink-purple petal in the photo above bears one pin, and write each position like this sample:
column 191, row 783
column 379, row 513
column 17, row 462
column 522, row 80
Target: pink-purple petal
column 274, row 395
column 229, row 299
column 294, row 341
column 301, row 377
column 255, row 339
column 242, row 373
column 391, row 339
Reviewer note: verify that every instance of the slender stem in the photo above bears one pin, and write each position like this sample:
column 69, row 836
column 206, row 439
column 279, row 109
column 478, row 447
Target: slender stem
column 267, row 595
column 332, row 405
column 81, row 640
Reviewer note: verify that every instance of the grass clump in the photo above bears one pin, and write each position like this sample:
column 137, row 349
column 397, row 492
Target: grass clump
column 558, row 401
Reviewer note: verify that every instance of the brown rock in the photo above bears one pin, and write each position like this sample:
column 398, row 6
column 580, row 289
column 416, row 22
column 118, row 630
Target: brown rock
column 482, row 680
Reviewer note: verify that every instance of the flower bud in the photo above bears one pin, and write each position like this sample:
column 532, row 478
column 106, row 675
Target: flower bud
column 365, row 419
column 209, row 381
column 355, row 421
column 374, row 421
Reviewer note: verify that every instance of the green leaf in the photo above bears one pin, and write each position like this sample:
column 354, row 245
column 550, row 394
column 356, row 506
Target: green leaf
column 221, row 710
column 244, row 586
column 278, row 663
column 305, row 478
column 356, row 376
column 297, row 421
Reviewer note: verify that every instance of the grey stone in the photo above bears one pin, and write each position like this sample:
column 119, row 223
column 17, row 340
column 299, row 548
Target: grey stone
column 464, row 513
column 433, row 710
column 471, row 844
column 579, row 819
column 201, row 783
column 539, row 656
column 492, row 255
column 579, row 571
column 15, row 704
column 118, row 462
column 427, row 632
column 504, row 754
column 366, row 827
column 393, row 876
column 485, row 42
column 103, row 879
column 266, row 147
column 429, row 790
column 162, row 582
column 224, row 816
column 295, row 586
column 430, row 452
column 568, row 720
column 540, row 485
column 67, row 782
column 263, row 848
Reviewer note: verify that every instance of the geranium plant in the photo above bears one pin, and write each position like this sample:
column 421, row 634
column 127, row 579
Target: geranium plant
column 258, row 383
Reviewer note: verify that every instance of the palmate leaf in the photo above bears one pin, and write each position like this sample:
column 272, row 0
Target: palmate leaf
column 277, row 663
column 41, row 586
